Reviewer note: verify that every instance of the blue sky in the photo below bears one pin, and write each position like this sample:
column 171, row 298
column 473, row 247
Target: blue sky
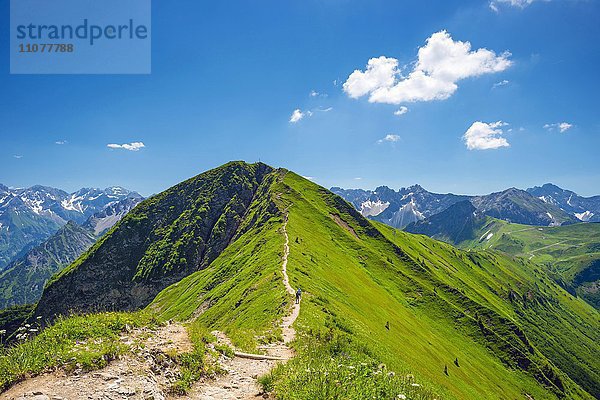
column 227, row 77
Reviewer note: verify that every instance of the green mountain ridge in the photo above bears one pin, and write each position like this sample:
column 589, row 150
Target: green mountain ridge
column 469, row 325
column 570, row 253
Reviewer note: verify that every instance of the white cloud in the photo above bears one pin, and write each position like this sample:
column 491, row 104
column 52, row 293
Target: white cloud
column 389, row 138
column 61, row 142
column 358, row 178
column 18, row 156
column 297, row 115
column 134, row 146
column 440, row 64
column 310, row 178
column 402, row 110
column 501, row 83
column 485, row 136
column 314, row 93
column 513, row 3
column 561, row 126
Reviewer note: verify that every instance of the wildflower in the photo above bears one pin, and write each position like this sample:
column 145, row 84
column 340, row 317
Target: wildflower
column 410, row 377
column 33, row 330
column 2, row 331
column 350, row 366
column 38, row 317
column 381, row 366
column 415, row 384
column 402, row 396
column 391, row 374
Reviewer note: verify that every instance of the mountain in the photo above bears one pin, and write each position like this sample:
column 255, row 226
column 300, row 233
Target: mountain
column 165, row 238
column 400, row 208
column 518, row 206
column 586, row 209
column 23, row 280
column 408, row 205
column 459, row 222
column 467, row 325
column 31, row 215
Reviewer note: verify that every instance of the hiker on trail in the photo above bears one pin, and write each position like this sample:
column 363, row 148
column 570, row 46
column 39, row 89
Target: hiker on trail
column 298, row 295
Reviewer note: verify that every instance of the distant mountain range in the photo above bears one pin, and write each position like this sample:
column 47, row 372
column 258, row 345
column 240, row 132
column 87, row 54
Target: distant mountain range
column 548, row 205
column 23, row 280
column 28, row 216
column 586, row 209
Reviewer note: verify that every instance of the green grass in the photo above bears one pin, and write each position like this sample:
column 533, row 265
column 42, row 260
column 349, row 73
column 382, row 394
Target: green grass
column 85, row 342
column 241, row 292
column 195, row 364
column 417, row 288
column 372, row 295
column 331, row 366
column 440, row 304
column 571, row 252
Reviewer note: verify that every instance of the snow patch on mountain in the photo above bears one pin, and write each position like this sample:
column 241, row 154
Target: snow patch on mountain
column 372, row 208
column 584, row 216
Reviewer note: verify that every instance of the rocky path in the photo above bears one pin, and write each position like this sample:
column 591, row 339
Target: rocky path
column 147, row 372
column 240, row 381
column 144, row 374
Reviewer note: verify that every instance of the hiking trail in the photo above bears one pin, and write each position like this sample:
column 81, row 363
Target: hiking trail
column 146, row 373
column 243, row 370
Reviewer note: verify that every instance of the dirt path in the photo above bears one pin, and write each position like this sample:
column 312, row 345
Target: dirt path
column 545, row 247
column 240, row 381
column 144, row 374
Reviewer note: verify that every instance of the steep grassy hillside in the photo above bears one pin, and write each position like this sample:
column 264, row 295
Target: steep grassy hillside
column 571, row 253
column 467, row 325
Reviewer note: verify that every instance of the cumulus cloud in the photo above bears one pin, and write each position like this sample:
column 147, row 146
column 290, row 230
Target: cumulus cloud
column 310, row 178
column 133, row 146
column 389, row 138
column 441, row 63
column 561, row 126
column 485, row 136
column 402, row 110
column 18, row 156
column 61, row 142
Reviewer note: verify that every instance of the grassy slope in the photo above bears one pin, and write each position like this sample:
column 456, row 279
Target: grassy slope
column 568, row 251
column 241, row 292
column 441, row 304
column 366, row 284
column 357, row 285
